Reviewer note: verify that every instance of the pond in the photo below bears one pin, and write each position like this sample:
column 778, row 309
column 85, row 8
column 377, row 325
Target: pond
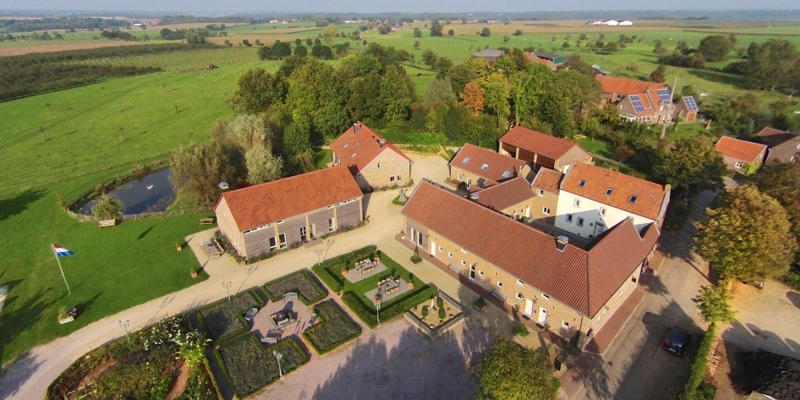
column 154, row 192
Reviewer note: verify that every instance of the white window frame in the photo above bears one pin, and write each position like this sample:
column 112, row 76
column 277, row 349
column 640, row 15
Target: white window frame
column 282, row 244
column 499, row 284
column 546, row 297
column 460, row 176
column 603, row 211
column 541, row 192
column 391, row 178
column 463, row 262
column 449, row 255
column 580, row 221
column 271, row 246
column 564, row 324
column 331, row 224
column 519, row 296
column 738, row 164
column 279, row 222
column 520, row 283
column 577, row 203
column 440, row 248
column 569, row 218
column 399, row 178
column 379, row 165
column 546, row 210
column 480, row 273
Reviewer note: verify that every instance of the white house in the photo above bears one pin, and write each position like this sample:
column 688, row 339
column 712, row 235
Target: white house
column 593, row 199
column 611, row 22
column 626, row 23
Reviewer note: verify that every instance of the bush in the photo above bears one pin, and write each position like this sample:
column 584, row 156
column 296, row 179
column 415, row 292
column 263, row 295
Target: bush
column 425, row 311
column 522, row 330
column 301, row 282
column 334, row 329
column 442, row 313
column 416, row 258
column 694, row 388
column 439, row 302
column 249, row 366
column 225, row 318
column 367, row 313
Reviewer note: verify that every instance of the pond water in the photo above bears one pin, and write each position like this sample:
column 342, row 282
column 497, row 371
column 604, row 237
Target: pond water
column 152, row 193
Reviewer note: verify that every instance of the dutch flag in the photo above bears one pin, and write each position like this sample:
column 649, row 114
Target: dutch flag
column 62, row 252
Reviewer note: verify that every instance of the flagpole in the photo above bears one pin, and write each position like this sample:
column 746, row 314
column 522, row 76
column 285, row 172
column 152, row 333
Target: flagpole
column 52, row 247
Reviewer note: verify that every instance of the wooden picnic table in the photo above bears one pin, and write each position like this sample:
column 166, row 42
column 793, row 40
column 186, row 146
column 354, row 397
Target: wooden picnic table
column 390, row 287
column 365, row 267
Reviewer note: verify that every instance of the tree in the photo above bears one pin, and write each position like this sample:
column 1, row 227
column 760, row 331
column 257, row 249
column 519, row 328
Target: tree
column 509, row 371
column 659, row 48
column 197, row 169
column 439, row 94
column 713, row 303
column 746, row 236
column 329, row 35
column 416, row 45
column 322, row 52
column 659, row 75
column 296, row 144
column 692, row 165
column 248, row 131
column 246, row 42
column 436, row 28
column 715, row 47
column 442, row 67
column 108, row 207
column 301, row 51
column 384, row 29
column 517, row 33
column 417, row 32
column 485, row 32
column 460, row 75
column 576, row 63
column 451, row 32
column 495, row 89
column 565, row 45
column 429, row 57
column 257, row 90
column 774, row 64
column 472, row 98
column 262, row 165
column 611, row 47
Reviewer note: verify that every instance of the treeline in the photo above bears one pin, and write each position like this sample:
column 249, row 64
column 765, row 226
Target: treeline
column 189, row 19
column 120, row 35
column 29, row 74
column 194, row 35
column 67, row 23
column 33, row 36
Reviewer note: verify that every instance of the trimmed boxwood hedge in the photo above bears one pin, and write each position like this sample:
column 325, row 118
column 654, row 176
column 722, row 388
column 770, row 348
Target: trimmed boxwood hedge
column 248, row 365
column 302, row 282
column 331, row 278
column 696, row 388
column 223, row 319
column 334, row 329
column 366, row 313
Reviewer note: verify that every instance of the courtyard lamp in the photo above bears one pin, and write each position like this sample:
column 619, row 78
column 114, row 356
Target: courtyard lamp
column 227, row 287
column 278, row 357
column 124, row 325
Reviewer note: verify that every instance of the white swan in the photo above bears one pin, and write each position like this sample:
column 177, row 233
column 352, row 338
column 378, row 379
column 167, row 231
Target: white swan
column 149, row 187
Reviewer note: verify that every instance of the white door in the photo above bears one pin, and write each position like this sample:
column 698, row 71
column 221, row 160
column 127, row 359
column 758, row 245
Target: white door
column 528, row 308
column 413, row 236
column 528, row 212
column 433, row 249
column 542, row 316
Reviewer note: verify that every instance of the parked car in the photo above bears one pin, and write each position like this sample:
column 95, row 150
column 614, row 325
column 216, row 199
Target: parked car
column 676, row 341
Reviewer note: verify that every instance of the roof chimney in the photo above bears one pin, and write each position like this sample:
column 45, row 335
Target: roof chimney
column 356, row 127
column 562, row 242
column 382, row 142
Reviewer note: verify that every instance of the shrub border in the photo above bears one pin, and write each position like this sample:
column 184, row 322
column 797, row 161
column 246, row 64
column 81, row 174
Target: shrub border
column 367, row 314
column 332, row 280
column 240, row 314
column 252, row 336
column 311, row 278
column 700, row 364
column 320, row 324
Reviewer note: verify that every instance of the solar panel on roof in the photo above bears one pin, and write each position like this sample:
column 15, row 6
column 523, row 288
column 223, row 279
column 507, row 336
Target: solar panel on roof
column 691, row 105
column 637, row 103
column 663, row 94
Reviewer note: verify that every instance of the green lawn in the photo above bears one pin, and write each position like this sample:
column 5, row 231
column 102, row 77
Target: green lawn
column 596, row 146
column 322, row 157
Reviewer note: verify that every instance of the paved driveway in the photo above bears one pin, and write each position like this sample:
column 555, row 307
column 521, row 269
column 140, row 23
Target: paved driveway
column 635, row 366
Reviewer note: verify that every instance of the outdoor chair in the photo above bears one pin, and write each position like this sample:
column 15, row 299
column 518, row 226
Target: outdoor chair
column 250, row 314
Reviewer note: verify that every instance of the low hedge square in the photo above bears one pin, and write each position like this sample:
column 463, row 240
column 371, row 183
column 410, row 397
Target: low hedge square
column 225, row 318
column 249, row 366
column 334, row 328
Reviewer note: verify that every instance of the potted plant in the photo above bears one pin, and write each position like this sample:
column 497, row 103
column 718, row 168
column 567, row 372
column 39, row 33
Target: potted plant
column 366, row 220
column 178, row 246
column 344, row 271
column 64, row 317
column 339, row 290
column 377, row 298
column 402, row 234
column 194, row 273
column 410, row 281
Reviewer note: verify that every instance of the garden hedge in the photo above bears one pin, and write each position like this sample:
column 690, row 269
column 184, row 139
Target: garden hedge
column 334, row 329
column 331, row 278
column 366, row 313
column 230, row 312
column 249, row 366
column 302, row 282
column 699, row 367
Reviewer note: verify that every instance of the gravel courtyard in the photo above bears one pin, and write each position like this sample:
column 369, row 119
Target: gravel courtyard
column 393, row 361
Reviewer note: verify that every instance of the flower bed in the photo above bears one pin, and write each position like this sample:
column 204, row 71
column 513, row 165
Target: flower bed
column 225, row 318
column 143, row 366
column 334, row 329
column 301, row 281
column 249, row 366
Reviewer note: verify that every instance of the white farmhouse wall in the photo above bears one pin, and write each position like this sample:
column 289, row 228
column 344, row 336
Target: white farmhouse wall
column 590, row 211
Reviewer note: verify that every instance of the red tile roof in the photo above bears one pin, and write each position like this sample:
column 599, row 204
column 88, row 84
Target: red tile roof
column 581, row 279
column 740, row 149
column 548, row 179
column 496, row 164
column 649, row 196
column 269, row 202
column 538, row 142
column 767, row 132
column 506, row 194
column 626, row 86
column 357, row 149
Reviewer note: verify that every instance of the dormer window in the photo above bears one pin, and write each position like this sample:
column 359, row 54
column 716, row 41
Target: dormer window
column 582, row 183
column 466, row 160
column 609, row 190
column 633, row 199
column 484, row 167
column 354, row 154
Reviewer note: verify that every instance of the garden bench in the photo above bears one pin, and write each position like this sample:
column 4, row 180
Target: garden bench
column 206, row 221
column 107, row 222
column 250, row 314
column 289, row 296
column 311, row 321
column 269, row 340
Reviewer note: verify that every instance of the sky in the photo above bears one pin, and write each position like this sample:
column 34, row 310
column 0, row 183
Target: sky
column 199, row 7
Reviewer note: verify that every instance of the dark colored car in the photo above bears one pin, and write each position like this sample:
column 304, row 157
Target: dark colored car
column 677, row 341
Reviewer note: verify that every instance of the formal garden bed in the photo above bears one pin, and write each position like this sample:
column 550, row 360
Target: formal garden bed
column 333, row 328
column 165, row 360
column 301, row 282
column 353, row 296
column 224, row 319
column 249, row 366
column 436, row 316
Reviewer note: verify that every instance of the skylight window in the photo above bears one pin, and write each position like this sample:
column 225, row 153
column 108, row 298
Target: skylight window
column 582, row 183
column 345, row 145
column 354, row 154
column 466, row 160
column 484, row 167
column 609, row 190
column 633, row 198
column 506, row 174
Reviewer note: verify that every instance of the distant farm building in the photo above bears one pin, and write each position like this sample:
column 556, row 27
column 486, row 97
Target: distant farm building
column 488, row 54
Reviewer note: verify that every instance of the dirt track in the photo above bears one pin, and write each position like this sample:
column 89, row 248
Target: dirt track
column 45, row 48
